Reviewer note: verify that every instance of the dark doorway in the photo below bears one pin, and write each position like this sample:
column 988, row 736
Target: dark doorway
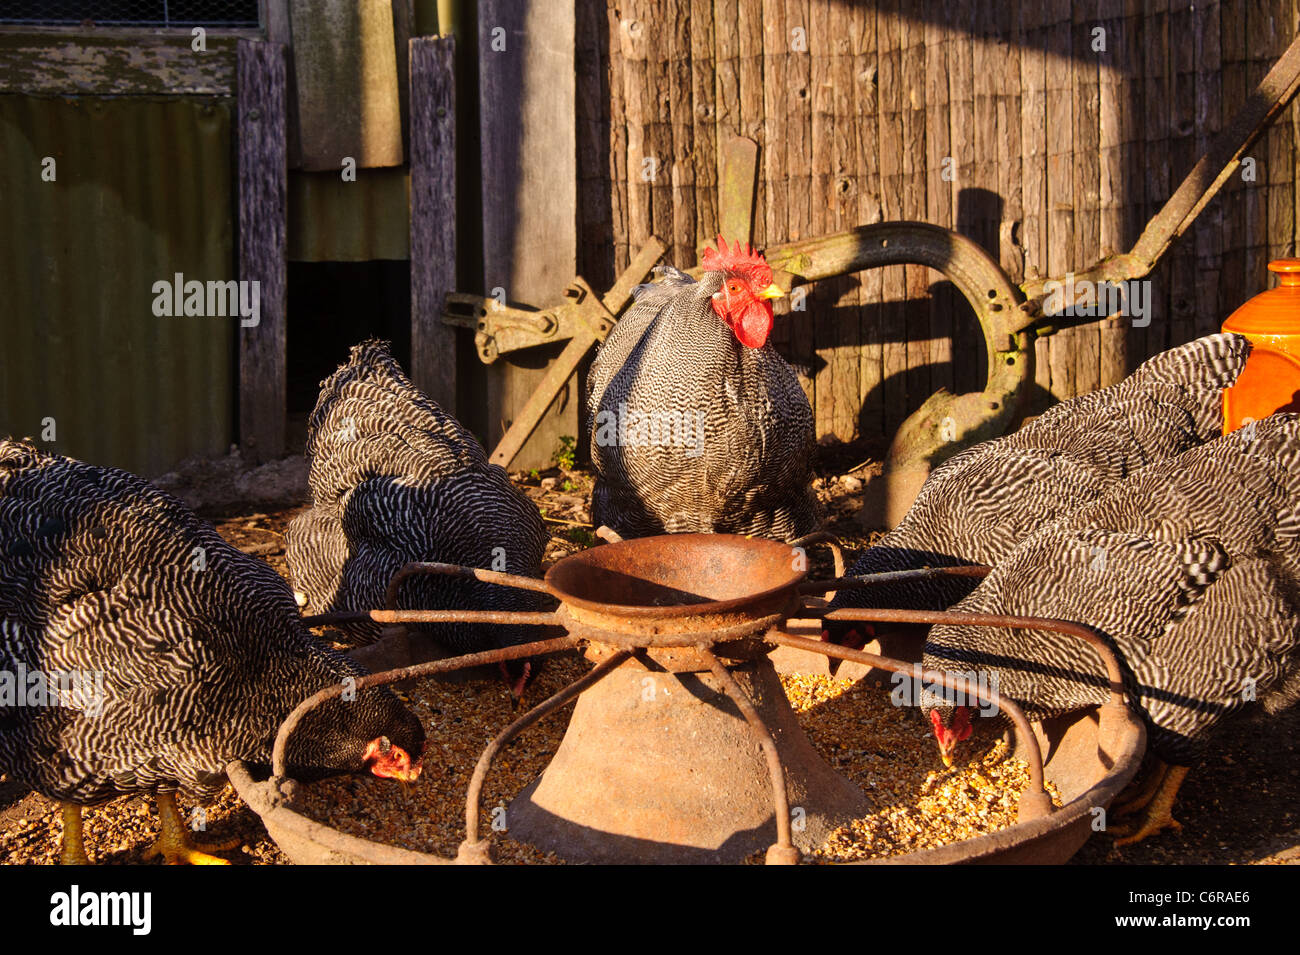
column 333, row 306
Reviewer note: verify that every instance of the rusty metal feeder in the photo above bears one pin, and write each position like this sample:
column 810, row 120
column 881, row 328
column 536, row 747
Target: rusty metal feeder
column 682, row 746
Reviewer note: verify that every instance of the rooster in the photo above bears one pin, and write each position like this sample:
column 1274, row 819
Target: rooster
column 140, row 653
column 1190, row 569
column 395, row 479
column 976, row 507
column 697, row 424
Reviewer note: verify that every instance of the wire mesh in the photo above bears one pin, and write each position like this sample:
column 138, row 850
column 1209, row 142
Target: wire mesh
column 144, row 13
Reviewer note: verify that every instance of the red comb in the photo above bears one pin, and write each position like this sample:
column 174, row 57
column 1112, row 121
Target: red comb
column 740, row 259
column 960, row 728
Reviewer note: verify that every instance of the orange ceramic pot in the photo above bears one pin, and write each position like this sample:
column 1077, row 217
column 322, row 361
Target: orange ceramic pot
column 1271, row 379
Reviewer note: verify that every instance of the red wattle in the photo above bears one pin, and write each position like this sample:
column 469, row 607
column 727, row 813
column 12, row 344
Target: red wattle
column 755, row 325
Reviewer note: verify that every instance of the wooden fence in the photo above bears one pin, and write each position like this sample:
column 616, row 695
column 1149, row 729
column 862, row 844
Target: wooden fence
column 1048, row 131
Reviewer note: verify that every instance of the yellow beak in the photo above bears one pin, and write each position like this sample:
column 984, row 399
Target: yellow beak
column 772, row 291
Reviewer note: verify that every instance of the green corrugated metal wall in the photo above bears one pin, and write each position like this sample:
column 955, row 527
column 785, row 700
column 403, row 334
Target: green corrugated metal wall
column 143, row 191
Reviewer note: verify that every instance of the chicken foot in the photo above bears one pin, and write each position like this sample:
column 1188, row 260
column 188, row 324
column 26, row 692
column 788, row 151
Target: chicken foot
column 1138, row 794
column 1158, row 812
column 173, row 842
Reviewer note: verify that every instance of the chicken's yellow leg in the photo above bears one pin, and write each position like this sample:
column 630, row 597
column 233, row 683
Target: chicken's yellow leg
column 173, row 842
column 72, row 851
column 1131, row 800
column 1159, row 811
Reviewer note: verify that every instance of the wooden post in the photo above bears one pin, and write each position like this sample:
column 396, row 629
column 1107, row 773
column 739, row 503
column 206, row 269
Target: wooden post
column 529, row 166
column 1061, row 200
column 263, row 184
column 433, row 216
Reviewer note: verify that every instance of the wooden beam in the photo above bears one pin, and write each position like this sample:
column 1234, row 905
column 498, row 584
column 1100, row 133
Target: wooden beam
column 346, row 69
column 63, row 64
column 433, row 215
column 529, row 166
column 263, row 186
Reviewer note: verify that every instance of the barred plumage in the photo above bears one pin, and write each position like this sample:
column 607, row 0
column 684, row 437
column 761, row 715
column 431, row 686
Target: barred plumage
column 976, row 507
column 741, row 461
column 1190, row 568
column 395, row 479
column 198, row 646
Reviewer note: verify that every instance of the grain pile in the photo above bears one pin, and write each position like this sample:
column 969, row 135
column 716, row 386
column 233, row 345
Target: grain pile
column 886, row 750
column 120, row 832
column 889, row 752
column 459, row 720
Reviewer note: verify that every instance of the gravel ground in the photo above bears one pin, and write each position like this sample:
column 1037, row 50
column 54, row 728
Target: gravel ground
column 1242, row 806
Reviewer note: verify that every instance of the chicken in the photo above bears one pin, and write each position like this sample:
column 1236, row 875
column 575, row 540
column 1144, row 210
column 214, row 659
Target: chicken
column 976, row 507
column 1190, row 569
column 395, row 479
column 697, row 424
column 140, row 653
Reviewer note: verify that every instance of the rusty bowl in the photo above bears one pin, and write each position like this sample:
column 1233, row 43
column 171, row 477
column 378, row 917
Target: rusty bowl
column 1088, row 762
column 688, row 591
column 677, row 590
column 676, row 575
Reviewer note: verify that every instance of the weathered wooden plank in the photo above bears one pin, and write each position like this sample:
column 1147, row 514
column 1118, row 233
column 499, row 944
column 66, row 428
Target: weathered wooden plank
column 961, row 97
column 704, row 133
column 433, row 215
column 1009, row 107
column 1132, row 116
column 726, row 91
column 1060, row 179
column 1117, row 115
column 1157, row 83
column 1087, row 225
column 821, row 41
column 618, row 143
column 843, row 208
column 1111, row 182
column 69, row 64
column 799, row 169
column 1207, row 233
column 403, row 24
column 1255, row 195
column 854, row 97
column 1187, row 36
column 681, row 236
column 1033, row 139
column 981, row 201
column 1234, row 47
column 916, row 278
column 347, row 79
column 1281, row 146
column 658, row 115
column 1033, row 174
column 279, row 29
column 939, row 201
column 528, row 161
column 894, row 289
column 748, row 28
column 871, row 395
column 591, row 96
column 642, row 163
column 263, row 187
